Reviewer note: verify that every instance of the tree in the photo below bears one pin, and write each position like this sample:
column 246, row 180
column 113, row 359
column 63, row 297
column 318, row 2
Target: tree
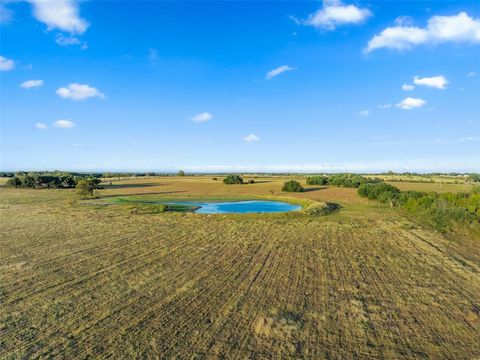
column 86, row 187
column 14, row 182
column 233, row 179
column 181, row 173
column 292, row 186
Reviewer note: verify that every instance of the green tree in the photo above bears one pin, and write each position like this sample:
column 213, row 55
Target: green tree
column 233, row 179
column 86, row 187
column 181, row 173
column 292, row 186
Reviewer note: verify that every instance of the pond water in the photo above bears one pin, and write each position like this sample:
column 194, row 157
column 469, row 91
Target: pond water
column 242, row 207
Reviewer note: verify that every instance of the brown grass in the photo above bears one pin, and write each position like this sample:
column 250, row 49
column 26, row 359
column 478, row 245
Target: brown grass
column 81, row 280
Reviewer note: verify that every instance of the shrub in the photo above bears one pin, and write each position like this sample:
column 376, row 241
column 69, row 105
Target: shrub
column 251, row 181
column 86, row 187
column 317, row 180
column 214, row 179
column 373, row 190
column 181, row 173
column 292, row 186
column 14, row 182
column 233, row 179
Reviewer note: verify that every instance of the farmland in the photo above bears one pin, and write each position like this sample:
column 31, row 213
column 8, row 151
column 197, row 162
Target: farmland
column 88, row 279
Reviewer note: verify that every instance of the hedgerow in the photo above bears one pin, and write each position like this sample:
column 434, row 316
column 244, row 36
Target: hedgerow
column 440, row 210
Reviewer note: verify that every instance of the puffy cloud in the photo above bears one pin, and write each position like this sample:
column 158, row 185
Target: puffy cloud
column 335, row 13
column 40, row 126
column 364, row 113
column 79, row 92
column 472, row 73
column 60, row 14
column 275, row 72
column 408, row 87
column 6, row 64
column 202, row 117
column 439, row 29
column 29, row 84
column 251, row 138
column 438, row 82
column 411, row 103
column 63, row 124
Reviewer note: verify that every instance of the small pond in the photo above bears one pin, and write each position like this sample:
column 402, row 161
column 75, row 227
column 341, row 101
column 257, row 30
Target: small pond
column 241, row 207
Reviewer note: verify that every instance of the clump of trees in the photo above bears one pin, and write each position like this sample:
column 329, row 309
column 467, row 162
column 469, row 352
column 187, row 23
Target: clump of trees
column 55, row 180
column 440, row 210
column 86, row 188
column 317, row 180
column 292, row 186
column 342, row 180
column 474, row 177
column 233, row 179
column 181, row 173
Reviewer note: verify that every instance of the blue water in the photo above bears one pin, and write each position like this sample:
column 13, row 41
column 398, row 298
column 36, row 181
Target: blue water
column 242, row 207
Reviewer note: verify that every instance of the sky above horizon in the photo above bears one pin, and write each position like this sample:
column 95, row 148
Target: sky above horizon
column 240, row 86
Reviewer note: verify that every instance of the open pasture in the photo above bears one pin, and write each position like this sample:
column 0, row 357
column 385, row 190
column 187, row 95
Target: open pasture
column 81, row 279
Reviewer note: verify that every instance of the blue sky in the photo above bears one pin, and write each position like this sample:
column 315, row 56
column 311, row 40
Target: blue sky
column 241, row 86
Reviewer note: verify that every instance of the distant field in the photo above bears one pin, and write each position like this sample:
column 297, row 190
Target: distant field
column 80, row 279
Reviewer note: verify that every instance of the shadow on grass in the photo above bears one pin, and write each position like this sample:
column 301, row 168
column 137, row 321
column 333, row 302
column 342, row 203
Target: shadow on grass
column 129, row 186
column 147, row 193
column 313, row 189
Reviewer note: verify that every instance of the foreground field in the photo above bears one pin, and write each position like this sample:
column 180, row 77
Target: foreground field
column 80, row 280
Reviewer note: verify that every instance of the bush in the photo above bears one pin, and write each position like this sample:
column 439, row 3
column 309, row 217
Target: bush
column 317, row 180
column 233, row 179
column 214, row 179
column 251, row 181
column 181, row 173
column 373, row 190
column 292, row 186
column 86, row 187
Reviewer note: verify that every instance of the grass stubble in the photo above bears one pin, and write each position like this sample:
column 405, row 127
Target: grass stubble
column 82, row 280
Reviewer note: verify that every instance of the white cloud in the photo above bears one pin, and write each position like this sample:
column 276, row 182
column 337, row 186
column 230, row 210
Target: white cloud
column 439, row 29
column 335, row 13
column 40, row 126
column 408, row 87
column 202, row 117
column 63, row 40
column 275, row 72
column 410, row 103
column 385, row 106
column 29, row 84
column 437, row 82
column 251, row 138
column 364, row 113
column 63, row 124
column 472, row 73
column 60, row 14
column 6, row 64
column 79, row 92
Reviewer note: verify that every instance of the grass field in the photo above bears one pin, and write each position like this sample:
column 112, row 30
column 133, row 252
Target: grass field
column 84, row 279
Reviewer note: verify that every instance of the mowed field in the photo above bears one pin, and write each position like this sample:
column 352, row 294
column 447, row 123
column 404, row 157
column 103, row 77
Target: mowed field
column 86, row 280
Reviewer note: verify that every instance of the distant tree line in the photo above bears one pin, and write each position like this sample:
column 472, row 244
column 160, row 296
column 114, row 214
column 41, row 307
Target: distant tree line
column 53, row 180
column 440, row 210
column 341, row 180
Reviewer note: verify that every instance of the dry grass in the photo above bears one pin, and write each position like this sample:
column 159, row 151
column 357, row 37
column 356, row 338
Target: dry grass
column 82, row 281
